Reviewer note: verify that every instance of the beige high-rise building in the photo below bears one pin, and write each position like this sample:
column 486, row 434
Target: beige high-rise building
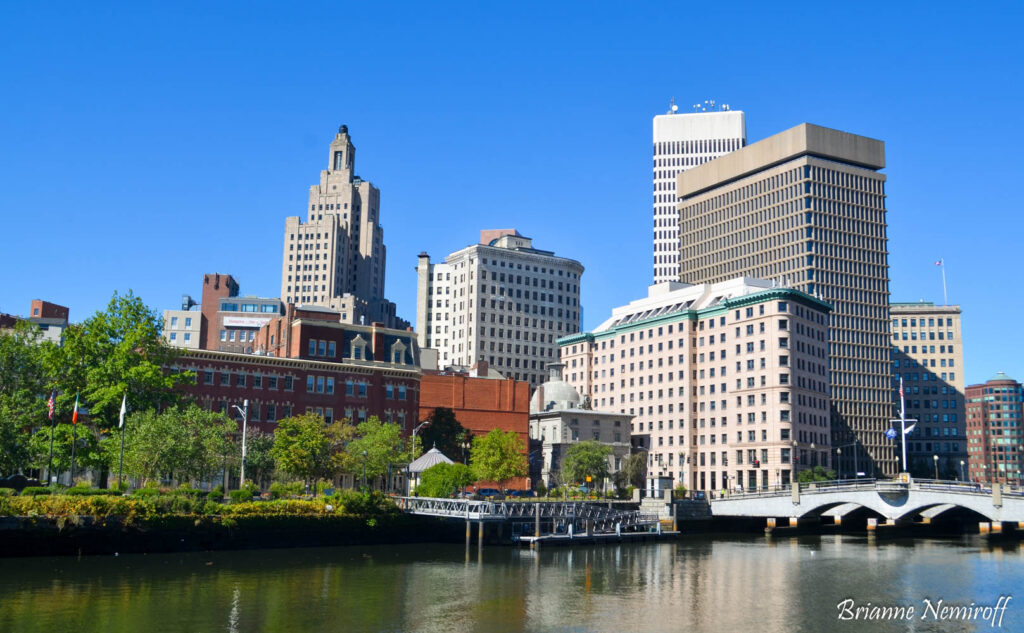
column 928, row 353
column 336, row 258
column 501, row 301
column 729, row 380
column 806, row 208
column 683, row 141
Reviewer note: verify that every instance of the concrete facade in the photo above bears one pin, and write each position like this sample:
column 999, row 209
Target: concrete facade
column 182, row 328
column 995, row 440
column 682, row 141
column 806, row 208
column 927, row 352
column 336, row 258
column 559, row 419
column 729, row 380
column 501, row 301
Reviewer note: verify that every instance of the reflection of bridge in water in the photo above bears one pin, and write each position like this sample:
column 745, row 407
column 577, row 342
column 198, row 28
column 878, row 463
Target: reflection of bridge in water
column 532, row 517
column 918, row 501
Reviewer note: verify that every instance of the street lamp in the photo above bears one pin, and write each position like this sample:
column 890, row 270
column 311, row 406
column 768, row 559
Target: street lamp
column 467, row 443
column 416, row 430
column 244, row 410
column 839, row 461
column 963, row 473
column 364, row 471
column 935, row 458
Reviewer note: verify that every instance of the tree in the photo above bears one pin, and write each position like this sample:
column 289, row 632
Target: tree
column 259, row 461
column 23, row 381
column 307, row 448
column 444, row 480
column 383, row 444
column 115, row 352
column 189, row 443
column 444, row 433
column 498, row 457
column 633, row 471
column 587, row 458
column 88, row 451
column 815, row 474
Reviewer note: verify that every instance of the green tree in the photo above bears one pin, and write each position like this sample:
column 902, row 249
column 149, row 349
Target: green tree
column 444, row 480
column 88, row 450
column 586, row 458
column 115, row 352
column 186, row 443
column 383, row 444
column 815, row 474
column 259, row 461
column 23, row 381
column 444, row 433
column 307, row 448
column 498, row 457
column 633, row 471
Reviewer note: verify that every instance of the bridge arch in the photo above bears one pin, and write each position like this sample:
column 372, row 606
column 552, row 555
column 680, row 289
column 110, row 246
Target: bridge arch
column 946, row 506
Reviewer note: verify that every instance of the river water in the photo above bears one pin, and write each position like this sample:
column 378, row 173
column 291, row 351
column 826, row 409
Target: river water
column 744, row 584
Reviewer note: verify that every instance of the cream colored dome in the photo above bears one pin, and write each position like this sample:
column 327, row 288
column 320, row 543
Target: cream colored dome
column 555, row 394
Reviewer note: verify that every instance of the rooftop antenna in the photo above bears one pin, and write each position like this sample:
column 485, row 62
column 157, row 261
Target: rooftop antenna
column 673, row 108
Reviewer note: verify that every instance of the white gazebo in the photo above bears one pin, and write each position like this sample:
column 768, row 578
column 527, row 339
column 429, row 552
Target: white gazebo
column 433, row 457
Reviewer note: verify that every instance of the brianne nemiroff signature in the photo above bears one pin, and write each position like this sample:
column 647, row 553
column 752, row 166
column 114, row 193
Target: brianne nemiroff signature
column 930, row 610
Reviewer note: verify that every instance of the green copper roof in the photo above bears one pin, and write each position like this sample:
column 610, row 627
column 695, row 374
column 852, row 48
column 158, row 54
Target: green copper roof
column 1000, row 376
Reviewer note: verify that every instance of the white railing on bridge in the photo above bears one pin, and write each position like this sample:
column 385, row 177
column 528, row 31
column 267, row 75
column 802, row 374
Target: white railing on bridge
column 872, row 484
column 474, row 510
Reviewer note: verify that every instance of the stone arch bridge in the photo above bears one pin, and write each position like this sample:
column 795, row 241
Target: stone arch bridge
column 893, row 500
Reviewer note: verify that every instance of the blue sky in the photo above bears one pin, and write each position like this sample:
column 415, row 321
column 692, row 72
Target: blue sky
column 145, row 144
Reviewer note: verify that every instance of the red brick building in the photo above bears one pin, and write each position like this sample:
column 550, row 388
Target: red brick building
column 340, row 371
column 481, row 404
column 995, row 445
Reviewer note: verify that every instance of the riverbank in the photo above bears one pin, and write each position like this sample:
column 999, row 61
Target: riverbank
column 66, row 525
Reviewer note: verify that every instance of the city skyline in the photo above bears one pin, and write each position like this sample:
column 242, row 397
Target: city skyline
column 211, row 174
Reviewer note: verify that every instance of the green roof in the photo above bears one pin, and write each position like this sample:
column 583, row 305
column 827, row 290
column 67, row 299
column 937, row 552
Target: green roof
column 1000, row 376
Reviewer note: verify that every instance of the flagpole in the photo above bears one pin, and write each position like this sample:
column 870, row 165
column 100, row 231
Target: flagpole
column 942, row 265
column 74, row 438
column 49, row 464
column 903, row 424
column 120, row 465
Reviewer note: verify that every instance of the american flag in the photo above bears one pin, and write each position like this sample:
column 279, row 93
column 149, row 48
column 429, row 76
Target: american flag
column 50, row 404
column 938, row 262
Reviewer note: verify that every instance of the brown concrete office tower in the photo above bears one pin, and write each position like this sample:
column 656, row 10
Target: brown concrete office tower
column 928, row 353
column 994, row 437
column 806, row 208
column 335, row 259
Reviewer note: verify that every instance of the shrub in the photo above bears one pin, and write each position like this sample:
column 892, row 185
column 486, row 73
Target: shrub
column 36, row 491
column 78, row 491
column 240, row 496
column 216, row 494
column 279, row 490
column 8, row 492
column 542, row 490
column 361, row 503
column 146, row 493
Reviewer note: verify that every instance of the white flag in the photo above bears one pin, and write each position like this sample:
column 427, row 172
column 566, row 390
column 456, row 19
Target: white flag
column 910, row 428
column 124, row 407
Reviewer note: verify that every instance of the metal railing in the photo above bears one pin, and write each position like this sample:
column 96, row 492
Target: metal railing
column 601, row 516
column 881, row 485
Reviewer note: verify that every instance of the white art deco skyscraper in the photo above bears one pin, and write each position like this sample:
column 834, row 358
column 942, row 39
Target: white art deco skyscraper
column 335, row 259
column 682, row 141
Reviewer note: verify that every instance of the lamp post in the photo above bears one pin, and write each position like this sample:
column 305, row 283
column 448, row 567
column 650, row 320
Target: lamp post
column 935, row 458
column 963, row 473
column 364, row 471
column 244, row 410
column 416, row 430
column 839, row 461
column 467, row 443
column 839, row 452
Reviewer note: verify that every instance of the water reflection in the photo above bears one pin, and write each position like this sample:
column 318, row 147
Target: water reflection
column 755, row 584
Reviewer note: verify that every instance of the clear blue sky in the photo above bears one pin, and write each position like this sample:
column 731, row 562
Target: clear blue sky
column 144, row 144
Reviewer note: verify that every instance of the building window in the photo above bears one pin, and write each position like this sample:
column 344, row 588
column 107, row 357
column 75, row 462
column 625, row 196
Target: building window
column 401, row 392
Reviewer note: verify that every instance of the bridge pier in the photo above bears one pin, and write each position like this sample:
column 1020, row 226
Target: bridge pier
column 480, row 534
column 769, row 525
